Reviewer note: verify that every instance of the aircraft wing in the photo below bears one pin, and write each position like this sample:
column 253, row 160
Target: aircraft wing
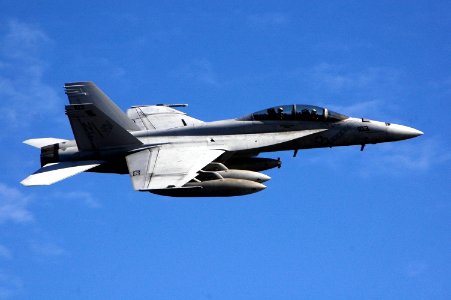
column 55, row 172
column 167, row 166
column 156, row 117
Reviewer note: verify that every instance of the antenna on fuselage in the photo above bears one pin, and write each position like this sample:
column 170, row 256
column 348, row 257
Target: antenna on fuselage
column 173, row 105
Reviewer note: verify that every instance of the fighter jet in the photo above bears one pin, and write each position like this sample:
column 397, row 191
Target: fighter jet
column 167, row 152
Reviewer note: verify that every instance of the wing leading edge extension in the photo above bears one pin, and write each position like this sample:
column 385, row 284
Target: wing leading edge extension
column 167, row 167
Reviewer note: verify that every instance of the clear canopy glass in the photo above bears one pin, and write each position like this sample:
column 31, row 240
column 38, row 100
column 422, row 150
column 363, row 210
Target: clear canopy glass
column 295, row 112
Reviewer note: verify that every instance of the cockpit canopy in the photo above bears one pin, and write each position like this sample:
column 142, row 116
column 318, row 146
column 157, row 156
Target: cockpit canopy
column 295, row 112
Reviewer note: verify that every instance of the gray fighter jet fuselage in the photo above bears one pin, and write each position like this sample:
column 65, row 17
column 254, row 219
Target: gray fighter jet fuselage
column 169, row 153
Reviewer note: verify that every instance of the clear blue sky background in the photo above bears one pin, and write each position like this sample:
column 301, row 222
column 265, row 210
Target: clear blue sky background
column 332, row 224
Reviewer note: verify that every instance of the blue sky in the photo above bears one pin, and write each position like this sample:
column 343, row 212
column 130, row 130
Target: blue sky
column 332, row 224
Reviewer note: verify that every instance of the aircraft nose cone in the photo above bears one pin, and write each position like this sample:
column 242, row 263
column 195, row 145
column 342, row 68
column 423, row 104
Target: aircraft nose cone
column 401, row 132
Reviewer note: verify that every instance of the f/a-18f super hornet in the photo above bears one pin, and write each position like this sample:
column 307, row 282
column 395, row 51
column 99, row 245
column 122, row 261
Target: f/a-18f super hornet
column 169, row 153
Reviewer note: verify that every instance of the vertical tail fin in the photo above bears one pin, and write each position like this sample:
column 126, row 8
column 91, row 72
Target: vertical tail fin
column 88, row 92
column 95, row 130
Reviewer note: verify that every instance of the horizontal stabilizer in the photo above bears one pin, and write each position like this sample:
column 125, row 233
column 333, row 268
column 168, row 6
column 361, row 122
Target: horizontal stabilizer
column 39, row 143
column 55, row 172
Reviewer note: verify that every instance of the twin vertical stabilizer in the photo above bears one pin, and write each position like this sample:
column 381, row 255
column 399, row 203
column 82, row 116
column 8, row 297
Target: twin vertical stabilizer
column 88, row 92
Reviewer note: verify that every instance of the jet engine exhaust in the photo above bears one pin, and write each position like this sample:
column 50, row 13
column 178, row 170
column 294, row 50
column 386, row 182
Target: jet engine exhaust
column 49, row 154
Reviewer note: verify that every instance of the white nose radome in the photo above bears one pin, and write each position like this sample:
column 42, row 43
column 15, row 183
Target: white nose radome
column 401, row 132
